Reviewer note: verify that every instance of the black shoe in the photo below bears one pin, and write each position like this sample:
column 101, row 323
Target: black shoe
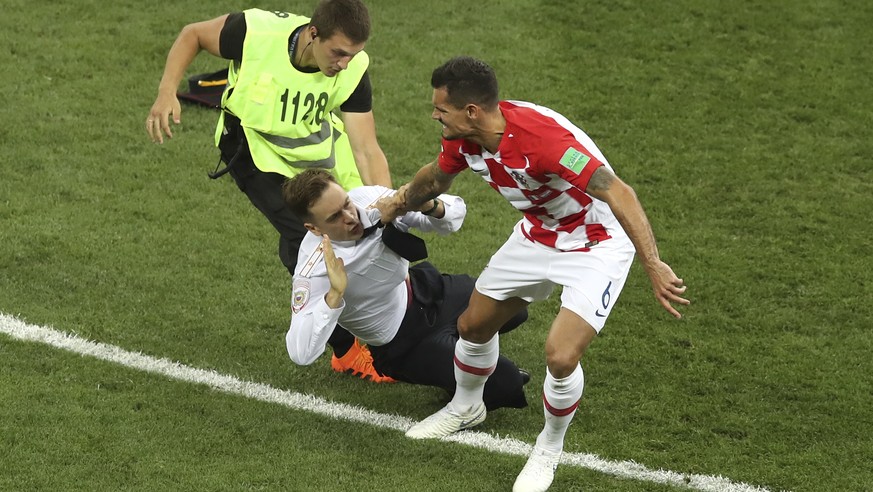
column 525, row 376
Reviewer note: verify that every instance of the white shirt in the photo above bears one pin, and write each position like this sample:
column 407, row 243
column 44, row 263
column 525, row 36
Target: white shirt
column 375, row 299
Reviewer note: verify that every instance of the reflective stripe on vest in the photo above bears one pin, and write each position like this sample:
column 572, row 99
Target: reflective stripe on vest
column 315, row 138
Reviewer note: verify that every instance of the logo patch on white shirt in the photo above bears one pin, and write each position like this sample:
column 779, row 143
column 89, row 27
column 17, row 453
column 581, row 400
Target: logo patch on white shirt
column 299, row 295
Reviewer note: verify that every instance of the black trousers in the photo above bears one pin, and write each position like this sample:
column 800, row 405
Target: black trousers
column 264, row 190
column 423, row 351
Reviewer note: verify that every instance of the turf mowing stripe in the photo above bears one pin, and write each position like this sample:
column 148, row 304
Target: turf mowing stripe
column 297, row 401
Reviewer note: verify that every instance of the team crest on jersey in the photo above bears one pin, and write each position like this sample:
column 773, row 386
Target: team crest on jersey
column 300, row 295
column 519, row 178
column 574, row 160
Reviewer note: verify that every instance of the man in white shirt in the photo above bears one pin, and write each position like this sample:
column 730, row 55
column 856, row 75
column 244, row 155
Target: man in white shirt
column 348, row 274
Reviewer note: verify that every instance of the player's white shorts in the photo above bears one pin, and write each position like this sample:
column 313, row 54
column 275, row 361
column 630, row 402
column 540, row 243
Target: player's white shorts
column 592, row 280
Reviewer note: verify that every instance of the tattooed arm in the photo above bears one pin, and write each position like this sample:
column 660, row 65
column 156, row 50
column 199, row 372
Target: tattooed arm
column 429, row 182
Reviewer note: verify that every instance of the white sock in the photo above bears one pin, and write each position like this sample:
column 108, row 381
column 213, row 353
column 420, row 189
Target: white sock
column 474, row 362
column 560, row 399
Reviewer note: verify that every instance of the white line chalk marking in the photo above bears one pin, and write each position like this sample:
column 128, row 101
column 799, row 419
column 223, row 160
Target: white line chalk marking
column 20, row 330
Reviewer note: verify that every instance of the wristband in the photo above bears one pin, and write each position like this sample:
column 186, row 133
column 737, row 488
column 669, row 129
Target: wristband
column 436, row 204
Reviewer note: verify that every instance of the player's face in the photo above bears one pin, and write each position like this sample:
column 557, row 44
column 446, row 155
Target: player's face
column 334, row 54
column 334, row 214
column 456, row 122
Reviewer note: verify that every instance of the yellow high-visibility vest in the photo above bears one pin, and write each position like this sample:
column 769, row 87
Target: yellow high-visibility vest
column 287, row 115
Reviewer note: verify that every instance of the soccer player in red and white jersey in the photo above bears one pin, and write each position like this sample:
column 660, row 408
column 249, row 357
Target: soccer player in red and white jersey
column 580, row 230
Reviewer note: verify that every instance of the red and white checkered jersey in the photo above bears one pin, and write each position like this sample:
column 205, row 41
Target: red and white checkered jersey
column 542, row 167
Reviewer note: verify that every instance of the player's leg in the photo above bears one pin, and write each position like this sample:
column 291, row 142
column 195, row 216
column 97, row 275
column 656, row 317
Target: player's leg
column 478, row 347
column 513, row 278
column 514, row 322
column 507, row 285
column 568, row 339
column 431, row 362
column 481, row 373
column 472, row 364
column 592, row 283
column 505, row 387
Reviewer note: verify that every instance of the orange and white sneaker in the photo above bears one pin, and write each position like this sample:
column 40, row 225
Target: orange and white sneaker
column 359, row 362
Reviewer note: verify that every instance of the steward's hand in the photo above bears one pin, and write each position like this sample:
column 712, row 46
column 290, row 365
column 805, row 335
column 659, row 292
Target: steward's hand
column 158, row 121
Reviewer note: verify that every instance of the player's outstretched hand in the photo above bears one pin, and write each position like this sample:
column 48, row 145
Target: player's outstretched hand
column 668, row 288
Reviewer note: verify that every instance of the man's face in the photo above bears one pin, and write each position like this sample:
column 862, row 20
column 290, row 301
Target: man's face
column 456, row 121
column 334, row 214
column 334, row 54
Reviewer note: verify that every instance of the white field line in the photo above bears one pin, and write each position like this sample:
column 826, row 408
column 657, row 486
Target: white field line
column 20, row 330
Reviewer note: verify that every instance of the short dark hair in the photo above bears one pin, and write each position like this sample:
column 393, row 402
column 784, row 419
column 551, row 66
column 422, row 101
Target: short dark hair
column 466, row 80
column 349, row 17
column 303, row 190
